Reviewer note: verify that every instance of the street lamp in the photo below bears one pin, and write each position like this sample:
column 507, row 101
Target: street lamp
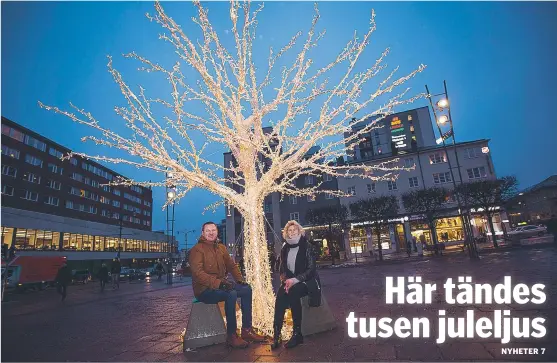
column 170, row 195
column 442, row 104
column 442, row 119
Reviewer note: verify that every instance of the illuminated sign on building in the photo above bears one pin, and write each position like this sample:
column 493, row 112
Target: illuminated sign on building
column 398, row 133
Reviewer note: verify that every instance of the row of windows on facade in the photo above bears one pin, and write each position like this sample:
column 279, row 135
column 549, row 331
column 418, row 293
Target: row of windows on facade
column 434, row 158
column 32, row 239
column 12, row 171
column 8, row 190
column 438, row 178
column 31, row 141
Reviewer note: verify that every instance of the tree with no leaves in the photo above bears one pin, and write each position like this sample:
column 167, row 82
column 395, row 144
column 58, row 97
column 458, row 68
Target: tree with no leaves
column 377, row 211
column 429, row 202
column 167, row 136
column 488, row 195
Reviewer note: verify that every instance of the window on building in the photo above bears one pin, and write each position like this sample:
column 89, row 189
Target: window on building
column 53, row 168
column 311, row 198
column 327, row 177
column 293, row 199
column 148, row 204
column 295, row 216
column 308, row 180
column 91, row 209
column 94, row 183
column 106, row 188
column 52, row 201
column 116, row 192
column 37, row 144
column 8, row 151
column 329, row 196
column 33, row 160
column 53, row 184
column 105, row 213
column 472, row 152
column 77, row 176
column 105, row 200
column 32, row 178
column 413, row 181
column 69, row 204
column 351, row 190
column 371, row 188
column 476, row 173
column 58, row 154
column 391, row 185
column 409, row 162
column 437, row 158
column 73, row 161
column 136, row 220
column 9, row 171
column 13, row 133
column 7, row 190
column 440, row 178
column 137, row 189
column 116, row 203
column 30, row 195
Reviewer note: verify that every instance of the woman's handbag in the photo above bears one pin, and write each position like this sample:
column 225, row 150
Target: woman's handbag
column 314, row 293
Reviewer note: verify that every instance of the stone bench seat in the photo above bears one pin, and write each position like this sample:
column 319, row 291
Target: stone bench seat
column 316, row 319
column 205, row 326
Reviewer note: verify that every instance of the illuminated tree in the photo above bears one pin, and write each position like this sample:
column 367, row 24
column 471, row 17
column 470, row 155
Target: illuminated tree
column 166, row 131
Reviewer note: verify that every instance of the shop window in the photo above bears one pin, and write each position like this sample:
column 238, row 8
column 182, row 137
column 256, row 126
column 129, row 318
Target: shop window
column 7, row 235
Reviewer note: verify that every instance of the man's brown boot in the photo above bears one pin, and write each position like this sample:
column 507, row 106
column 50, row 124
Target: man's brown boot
column 235, row 341
column 251, row 336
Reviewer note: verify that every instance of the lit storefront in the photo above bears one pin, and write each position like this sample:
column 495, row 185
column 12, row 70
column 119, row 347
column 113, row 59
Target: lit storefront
column 40, row 240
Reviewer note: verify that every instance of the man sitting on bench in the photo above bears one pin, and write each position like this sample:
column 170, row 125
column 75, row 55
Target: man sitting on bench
column 210, row 263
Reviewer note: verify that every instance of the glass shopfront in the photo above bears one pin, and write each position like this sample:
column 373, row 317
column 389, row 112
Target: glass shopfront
column 358, row 239
column 40, row 240
column 448, row 230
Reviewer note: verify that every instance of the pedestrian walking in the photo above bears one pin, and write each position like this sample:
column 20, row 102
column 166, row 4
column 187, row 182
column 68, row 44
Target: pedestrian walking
column 63, row 279
column 115, row 270
column 103, row 276
column 159, row 269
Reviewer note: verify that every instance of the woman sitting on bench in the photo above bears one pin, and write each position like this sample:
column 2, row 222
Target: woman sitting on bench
column 299, row 278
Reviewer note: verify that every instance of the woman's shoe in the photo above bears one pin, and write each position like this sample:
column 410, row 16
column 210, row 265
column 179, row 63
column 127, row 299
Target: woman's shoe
column 276, row 337
column 296, row 338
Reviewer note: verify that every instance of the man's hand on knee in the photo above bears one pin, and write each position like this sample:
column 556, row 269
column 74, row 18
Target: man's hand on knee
column 225, row 285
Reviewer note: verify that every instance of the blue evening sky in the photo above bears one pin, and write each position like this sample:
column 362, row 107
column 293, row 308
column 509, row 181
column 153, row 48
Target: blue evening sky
column 498, row 60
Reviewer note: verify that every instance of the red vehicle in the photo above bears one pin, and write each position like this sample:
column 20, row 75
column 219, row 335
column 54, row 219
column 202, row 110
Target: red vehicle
column 33, row 271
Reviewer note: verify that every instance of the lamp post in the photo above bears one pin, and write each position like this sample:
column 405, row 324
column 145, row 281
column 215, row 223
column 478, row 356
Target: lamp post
column 446, row 119
column 186, row 232
column 170, row 195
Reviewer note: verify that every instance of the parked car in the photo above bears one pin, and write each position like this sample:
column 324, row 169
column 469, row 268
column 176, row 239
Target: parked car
column 124, row 273
column 528, row 231
column 81, row 276
column 136, row 274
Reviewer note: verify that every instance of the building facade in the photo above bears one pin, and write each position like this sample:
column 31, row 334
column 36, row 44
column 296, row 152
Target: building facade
column 62, row 206
column 431, row 169
column 535, row 204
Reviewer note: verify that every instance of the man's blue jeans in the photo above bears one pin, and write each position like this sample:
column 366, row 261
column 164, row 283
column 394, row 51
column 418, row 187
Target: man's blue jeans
column 243, row 292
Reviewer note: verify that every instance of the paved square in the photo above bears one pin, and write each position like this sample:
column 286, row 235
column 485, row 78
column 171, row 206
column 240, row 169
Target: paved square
column 143, row 321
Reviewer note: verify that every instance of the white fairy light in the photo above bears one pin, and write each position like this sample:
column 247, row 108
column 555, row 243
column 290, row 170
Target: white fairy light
column 264, row 163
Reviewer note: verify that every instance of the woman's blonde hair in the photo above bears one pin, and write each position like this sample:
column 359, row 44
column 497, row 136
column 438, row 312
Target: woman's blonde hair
column 292, row 223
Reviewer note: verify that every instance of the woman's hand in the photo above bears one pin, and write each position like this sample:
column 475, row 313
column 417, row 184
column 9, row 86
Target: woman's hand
column 289, row 283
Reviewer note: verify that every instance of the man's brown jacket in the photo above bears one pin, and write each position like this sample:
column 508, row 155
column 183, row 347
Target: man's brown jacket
column 209, row 263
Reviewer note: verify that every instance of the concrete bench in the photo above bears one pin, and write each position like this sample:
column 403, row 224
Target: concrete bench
column 317, row 319
column 205, row 326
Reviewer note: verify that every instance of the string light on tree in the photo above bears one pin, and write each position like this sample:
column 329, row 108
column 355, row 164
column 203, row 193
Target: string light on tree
column 232, row 95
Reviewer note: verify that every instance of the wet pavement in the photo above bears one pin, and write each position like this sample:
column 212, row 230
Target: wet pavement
column 143, row 321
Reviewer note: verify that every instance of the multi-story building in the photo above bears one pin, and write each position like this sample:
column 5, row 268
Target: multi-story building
column 535, row 204
column 55, row 206
column 396, row 134
column 431, row 169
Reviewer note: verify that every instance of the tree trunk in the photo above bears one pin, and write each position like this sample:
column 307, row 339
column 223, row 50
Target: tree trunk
column 433, row 232
column 258, row 274
column 492, row 230
column 379, row 247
